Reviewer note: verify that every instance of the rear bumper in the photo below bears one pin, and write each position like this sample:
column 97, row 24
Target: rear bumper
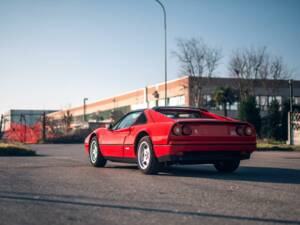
column 204, row 157
column 206, row 153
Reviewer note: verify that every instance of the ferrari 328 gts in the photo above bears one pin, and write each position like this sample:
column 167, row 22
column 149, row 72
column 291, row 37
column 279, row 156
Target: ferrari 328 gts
column 163, row 136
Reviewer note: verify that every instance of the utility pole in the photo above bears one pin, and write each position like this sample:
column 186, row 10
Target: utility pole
column 165, row 33
column 291, row 95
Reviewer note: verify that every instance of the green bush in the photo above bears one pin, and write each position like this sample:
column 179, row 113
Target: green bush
column 248, row 111
column 272, row 123
column 74, row 138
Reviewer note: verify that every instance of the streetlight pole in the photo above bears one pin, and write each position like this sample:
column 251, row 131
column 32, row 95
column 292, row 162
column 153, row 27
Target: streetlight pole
column 165, row 32
column 291, row 95
column 84, row 109
column 291, row 137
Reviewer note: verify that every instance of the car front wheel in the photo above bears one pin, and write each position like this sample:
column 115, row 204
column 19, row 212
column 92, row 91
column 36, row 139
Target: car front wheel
column 228, row 166
column 147, row 162
column 96, row 158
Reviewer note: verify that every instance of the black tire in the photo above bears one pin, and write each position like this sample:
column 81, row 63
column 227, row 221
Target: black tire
column 97, row 160
column 227, row 166
column 145, row 147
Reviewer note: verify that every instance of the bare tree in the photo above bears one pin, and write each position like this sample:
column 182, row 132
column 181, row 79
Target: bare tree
column 197, row 60
column 252, row 64
column 52, row 127
column 67, row 119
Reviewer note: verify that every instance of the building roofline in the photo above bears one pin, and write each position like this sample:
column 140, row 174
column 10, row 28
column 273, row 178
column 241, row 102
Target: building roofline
column 135, row 90
column 236, row 78
column 119, row 95
column 170, row 81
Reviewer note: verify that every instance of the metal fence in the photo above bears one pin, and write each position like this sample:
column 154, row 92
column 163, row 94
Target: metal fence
column 26, row 128
column 33, row 128
column 294, row 128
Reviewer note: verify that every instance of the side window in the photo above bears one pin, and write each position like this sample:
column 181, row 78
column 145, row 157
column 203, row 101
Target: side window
column 128, row 120
column 141, row 120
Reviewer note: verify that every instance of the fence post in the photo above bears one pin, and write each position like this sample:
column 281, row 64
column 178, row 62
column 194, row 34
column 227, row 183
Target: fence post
column 290, row 129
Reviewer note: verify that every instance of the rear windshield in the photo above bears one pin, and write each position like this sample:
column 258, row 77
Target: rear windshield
column 181, row 114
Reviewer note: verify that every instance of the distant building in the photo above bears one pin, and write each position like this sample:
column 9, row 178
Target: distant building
column 23, row 116
column 180, row 93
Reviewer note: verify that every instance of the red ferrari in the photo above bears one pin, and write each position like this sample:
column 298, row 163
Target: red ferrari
column 163, row 136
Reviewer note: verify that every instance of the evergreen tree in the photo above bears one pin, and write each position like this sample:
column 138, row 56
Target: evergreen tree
column 224, row 96
column 248, row 111
column 274, row 121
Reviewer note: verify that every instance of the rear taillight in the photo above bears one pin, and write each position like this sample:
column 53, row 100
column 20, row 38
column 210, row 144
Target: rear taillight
column 186, row 130
column 240, row 130
column 180, row 129
column 244, row 130
column 177, row 130
column 248, row 131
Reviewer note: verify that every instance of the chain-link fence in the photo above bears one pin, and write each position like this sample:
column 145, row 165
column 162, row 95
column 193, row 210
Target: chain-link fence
column 294, row 128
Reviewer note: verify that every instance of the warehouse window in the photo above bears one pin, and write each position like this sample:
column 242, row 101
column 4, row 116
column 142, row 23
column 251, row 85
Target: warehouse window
column 264, row 101
column 177, row 100
column 207, row 101
column 152, row 103
column 277, row 98
column 161, row 102
column 297, row 100
column 139, row 106
column 234, row 106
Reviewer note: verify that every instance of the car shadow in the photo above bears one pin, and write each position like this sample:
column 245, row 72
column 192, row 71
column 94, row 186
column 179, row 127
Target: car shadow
column 244, row 173
column 23, row 156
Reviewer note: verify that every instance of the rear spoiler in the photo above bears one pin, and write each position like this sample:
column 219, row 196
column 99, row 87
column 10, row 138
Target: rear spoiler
column 211, row 121
column 158, row 108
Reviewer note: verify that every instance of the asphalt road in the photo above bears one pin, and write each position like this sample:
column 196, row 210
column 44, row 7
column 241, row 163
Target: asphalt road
column 60, row 187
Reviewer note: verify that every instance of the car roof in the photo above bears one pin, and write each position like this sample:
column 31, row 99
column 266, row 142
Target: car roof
column 160, row 108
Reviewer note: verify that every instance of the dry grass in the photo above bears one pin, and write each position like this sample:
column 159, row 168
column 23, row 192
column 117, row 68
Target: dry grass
column 275, row 146
column 15, row 149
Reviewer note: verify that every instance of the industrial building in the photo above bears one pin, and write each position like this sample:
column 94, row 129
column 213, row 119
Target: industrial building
column 181, row 92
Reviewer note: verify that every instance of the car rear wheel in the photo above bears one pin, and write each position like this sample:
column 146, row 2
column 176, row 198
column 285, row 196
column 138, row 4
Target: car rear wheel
column 228, row 166
column 96, row 158
column 147, row 162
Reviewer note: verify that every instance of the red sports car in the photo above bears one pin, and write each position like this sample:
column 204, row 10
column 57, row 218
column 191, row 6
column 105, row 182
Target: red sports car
column 162, row 136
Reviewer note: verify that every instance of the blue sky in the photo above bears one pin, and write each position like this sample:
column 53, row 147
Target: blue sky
column 54, row 53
